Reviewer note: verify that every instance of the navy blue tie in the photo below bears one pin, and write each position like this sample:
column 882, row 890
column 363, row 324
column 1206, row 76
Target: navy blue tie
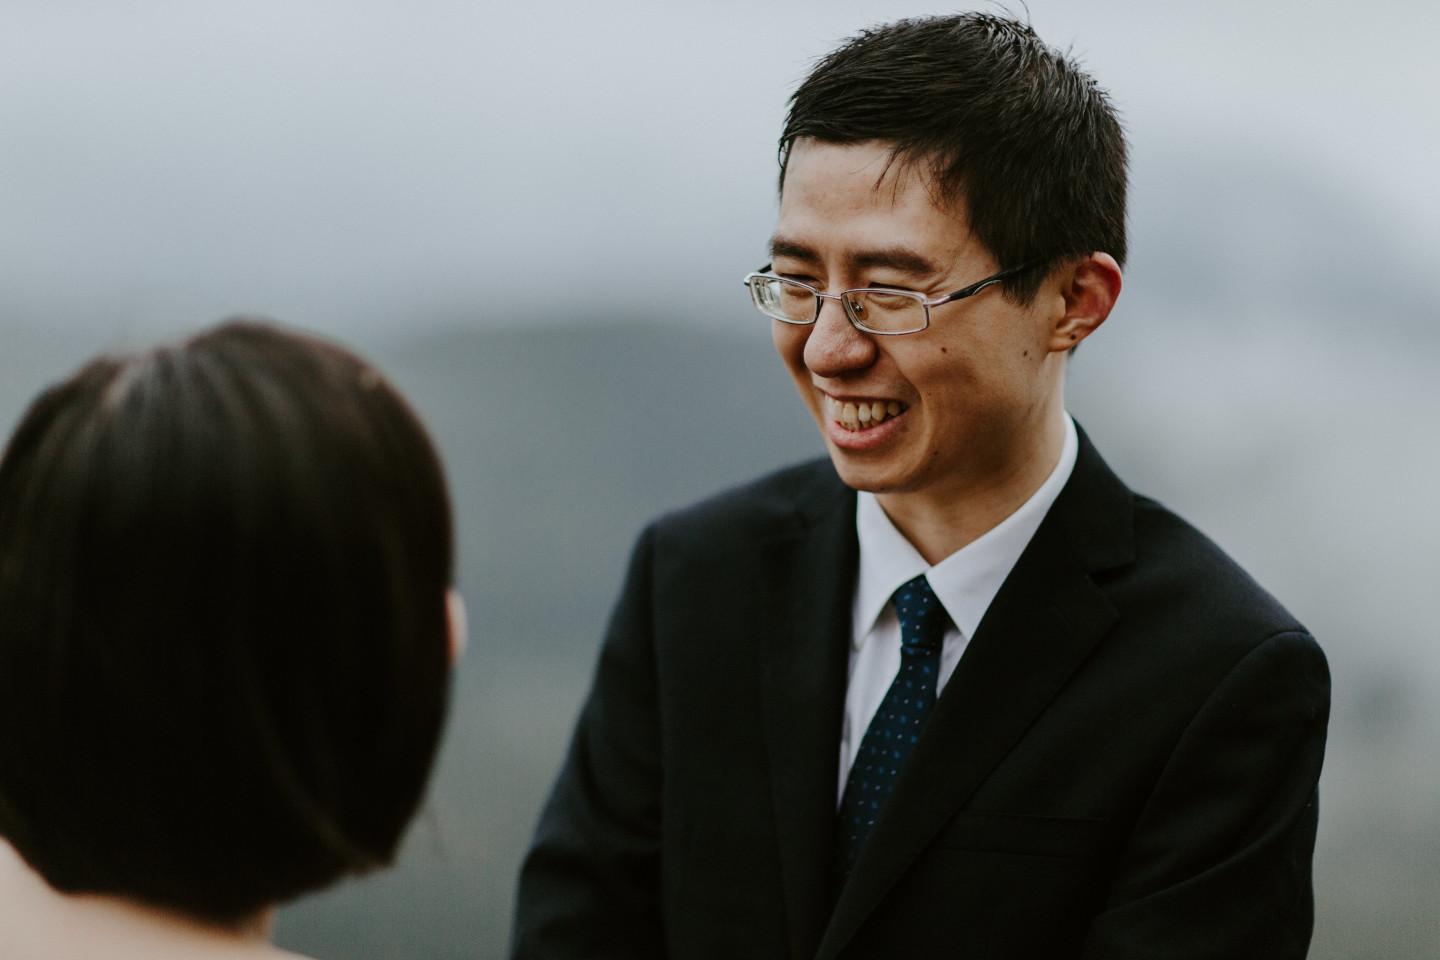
column 897, row 722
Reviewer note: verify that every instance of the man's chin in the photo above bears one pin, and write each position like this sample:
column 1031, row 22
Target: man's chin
column 865, row 477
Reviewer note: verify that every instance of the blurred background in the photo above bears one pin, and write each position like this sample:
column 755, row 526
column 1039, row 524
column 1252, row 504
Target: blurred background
column 535, row 217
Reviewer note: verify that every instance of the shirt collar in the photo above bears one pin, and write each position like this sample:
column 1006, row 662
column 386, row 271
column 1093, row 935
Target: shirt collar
column 964, row 582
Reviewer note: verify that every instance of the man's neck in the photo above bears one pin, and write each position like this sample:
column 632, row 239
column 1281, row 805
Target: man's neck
column 941, row 520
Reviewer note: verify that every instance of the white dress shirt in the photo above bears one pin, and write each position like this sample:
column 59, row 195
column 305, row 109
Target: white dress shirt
column 964, row 582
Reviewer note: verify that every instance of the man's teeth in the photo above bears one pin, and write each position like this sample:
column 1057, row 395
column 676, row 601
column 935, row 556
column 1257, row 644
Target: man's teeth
column 866, row 413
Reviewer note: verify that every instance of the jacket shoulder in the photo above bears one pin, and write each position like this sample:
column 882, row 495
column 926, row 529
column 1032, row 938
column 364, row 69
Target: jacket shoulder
column 1184, row 577
column 788, row 499
column 1161, row 573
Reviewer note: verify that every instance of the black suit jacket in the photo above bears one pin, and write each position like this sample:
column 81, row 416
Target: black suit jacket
column 1123, row 765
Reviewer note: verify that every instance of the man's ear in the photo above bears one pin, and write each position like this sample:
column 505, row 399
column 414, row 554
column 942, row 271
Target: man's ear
column 1090, row 287
column 459, row 624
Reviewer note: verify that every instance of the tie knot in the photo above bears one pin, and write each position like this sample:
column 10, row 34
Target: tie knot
column 922, row 618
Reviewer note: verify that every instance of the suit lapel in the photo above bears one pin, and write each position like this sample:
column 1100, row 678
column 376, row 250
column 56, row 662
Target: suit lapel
column 1047, row 617
column 806, row 589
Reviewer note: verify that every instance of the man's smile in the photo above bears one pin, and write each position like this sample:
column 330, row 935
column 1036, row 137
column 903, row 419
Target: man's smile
column 862, row 414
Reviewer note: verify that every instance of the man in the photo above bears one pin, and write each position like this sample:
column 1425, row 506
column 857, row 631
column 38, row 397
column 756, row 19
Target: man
column 994, row 704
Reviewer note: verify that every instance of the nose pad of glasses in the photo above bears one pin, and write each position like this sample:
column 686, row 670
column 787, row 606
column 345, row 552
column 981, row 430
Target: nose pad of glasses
column 854, row 309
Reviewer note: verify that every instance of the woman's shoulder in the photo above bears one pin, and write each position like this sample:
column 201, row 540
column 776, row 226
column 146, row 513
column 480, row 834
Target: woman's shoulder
column 39, row 923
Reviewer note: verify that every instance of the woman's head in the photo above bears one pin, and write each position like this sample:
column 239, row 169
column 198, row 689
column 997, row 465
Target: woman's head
column 223, row 622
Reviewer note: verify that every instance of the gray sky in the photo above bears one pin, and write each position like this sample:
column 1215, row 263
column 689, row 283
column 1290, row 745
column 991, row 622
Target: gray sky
column 365, row 167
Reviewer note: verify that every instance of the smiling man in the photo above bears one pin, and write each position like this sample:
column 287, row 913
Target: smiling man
column 955, row 690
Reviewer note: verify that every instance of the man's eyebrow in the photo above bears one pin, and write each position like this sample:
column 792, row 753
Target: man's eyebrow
column 781, row 247
column 902, row 259
column 894, row 258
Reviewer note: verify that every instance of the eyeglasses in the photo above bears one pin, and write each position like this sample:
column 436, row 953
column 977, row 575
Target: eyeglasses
column 879, row 310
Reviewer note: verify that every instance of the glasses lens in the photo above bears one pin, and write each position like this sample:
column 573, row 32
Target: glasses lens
column 886, row 311
column 783, row 300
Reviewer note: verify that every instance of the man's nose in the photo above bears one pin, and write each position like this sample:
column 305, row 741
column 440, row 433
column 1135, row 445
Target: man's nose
column 834, row 346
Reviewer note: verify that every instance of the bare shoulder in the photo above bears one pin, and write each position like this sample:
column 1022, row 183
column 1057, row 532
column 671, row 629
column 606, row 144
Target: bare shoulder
column 39, row 923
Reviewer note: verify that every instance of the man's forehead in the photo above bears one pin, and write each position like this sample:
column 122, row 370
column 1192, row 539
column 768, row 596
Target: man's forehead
column 860, row 205
column 892, row 170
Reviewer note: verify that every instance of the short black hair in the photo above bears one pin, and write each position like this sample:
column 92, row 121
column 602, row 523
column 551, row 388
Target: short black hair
column 1002, row 123
column 224, row 659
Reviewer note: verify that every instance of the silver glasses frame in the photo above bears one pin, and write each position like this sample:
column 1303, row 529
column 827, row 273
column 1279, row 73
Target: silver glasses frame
column 848, row 306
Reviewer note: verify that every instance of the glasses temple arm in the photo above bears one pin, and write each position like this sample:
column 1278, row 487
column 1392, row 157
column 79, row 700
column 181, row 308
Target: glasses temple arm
column 976, row 287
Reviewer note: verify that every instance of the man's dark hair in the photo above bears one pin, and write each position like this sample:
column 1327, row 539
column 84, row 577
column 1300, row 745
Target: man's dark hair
column 1000, row 123
column 224, row 663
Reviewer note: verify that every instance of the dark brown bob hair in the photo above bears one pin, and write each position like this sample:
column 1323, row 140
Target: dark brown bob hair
column 223, row 635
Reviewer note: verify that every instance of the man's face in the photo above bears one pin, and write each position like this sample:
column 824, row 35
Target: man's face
column 972, row 391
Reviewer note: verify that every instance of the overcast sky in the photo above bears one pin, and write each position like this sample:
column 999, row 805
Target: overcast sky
column 360, row 166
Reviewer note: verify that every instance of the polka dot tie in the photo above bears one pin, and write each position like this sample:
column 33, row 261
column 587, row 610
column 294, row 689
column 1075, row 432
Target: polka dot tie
column 897, row 723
